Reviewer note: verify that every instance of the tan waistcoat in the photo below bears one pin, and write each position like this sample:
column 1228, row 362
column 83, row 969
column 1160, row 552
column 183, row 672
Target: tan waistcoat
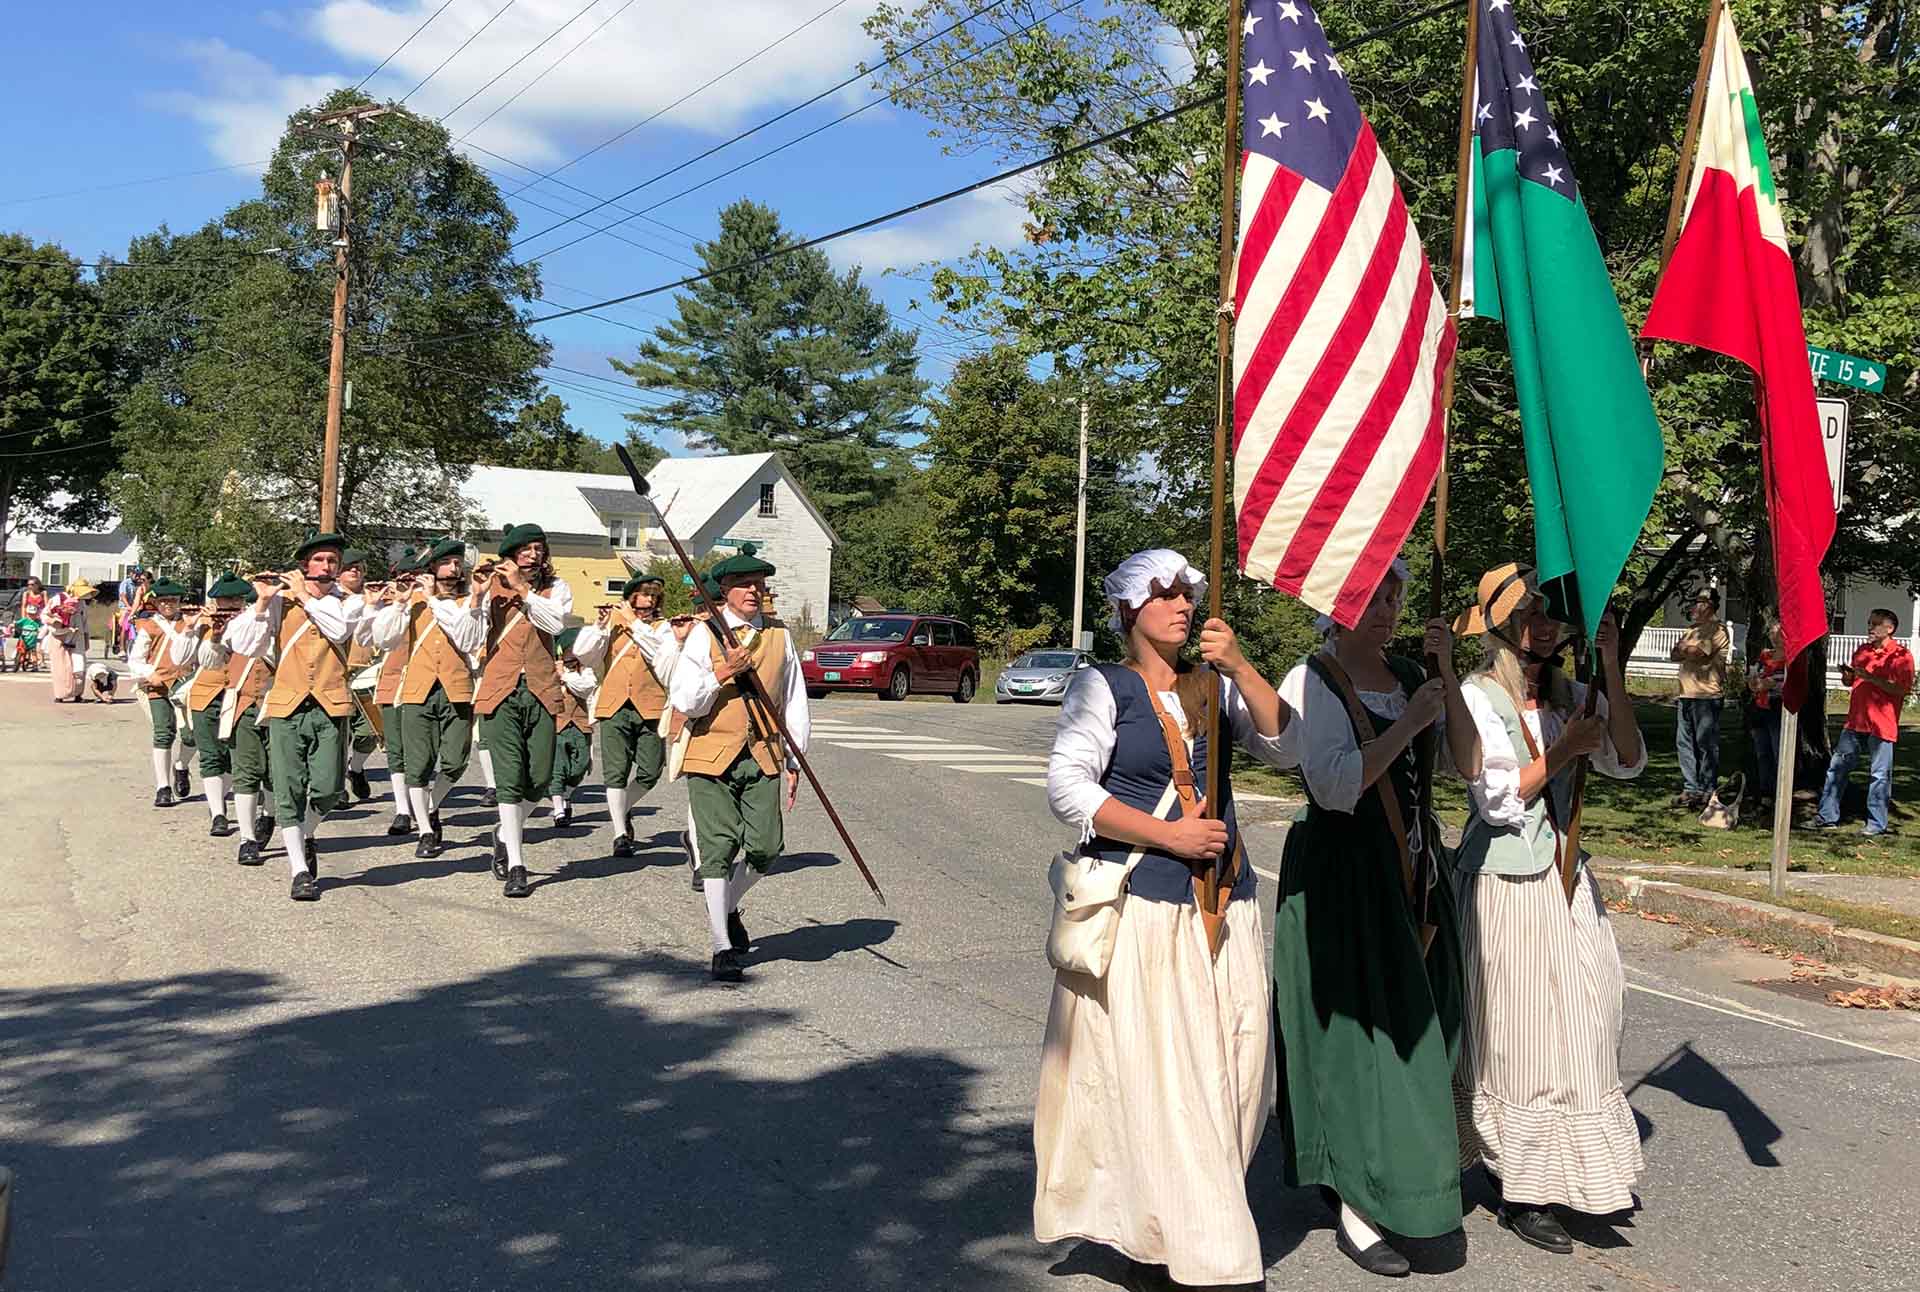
column 311, row 666
column 573, row 711
column 719, row 737
column 253, row 682
column 158, row 645
column 516, row 649
column 432, row 657
column 629, row 679
column 208, row 683
column 386, row 691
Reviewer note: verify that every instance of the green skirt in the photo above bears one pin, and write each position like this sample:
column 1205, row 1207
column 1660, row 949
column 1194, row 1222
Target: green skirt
column 1367, row 1030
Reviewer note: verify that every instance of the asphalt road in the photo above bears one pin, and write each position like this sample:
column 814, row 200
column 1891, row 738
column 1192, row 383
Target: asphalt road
column 415, row 1083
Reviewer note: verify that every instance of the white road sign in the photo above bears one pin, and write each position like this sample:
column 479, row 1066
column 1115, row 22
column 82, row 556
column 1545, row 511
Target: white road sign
column 1833, row 434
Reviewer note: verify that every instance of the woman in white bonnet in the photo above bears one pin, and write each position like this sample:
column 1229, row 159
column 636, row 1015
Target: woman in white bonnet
column 1155, row 1080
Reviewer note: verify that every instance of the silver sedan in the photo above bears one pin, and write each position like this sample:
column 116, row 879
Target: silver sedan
column 1041, row 675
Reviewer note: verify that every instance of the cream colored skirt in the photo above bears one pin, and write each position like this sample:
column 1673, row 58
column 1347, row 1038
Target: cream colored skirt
column 1537, row 1093
column 1155, row 1086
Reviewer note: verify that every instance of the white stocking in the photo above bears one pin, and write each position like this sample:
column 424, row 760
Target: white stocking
column 162, row 772
column 512, row 833
column 296, row 840
column 400, row 803
column 743, row 878
column 617, row 810
column 422, row 808
column 717, row 913
column 1361, row 1234
column 215, row 788
column 180, row 754
column 559, row 804
column 486, row 767
column 246, row 810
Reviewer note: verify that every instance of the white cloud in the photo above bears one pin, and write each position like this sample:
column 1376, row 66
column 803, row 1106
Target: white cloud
column 644, row 59
column 991, row 217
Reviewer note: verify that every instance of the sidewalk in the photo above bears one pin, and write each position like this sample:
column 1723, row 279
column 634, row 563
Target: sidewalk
column 1887, row 891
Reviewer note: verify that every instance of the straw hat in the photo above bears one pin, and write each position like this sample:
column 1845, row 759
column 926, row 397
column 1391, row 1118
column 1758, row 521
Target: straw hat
column 80, row 590
column 1503, row 590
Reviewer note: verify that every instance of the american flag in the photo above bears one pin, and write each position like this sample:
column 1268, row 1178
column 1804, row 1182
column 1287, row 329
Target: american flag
column 1341, row 340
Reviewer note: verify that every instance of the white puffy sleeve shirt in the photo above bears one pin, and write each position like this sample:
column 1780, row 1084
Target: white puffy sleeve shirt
column 1084, row 739
column 1329, row 753
column 1496, row 790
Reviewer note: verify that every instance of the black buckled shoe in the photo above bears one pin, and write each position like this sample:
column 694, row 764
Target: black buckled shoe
column 516, row 883
column 357, row 782
column 163, row 797
column 564, row 818
column 263, row 830
column 737, row 933
column 433, row 823
column 221, row 827
column 429, row 847
column 305, row 888
column 1537, row 1227
column 727, row 968
column 1379, row 1259
column 402, row 824
column 499, row 854
column 182, row 787
column 490, row 798
column 623, row 845
column 312, row 855
column 249, row 853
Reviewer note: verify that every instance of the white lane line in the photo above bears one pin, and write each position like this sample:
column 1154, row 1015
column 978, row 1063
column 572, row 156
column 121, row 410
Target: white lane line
column 835, row 729
column 1769, row 1020
column 1240, row 796
column 1041, row 781
column 989, row 767
column 911, row 746
column 962, row 754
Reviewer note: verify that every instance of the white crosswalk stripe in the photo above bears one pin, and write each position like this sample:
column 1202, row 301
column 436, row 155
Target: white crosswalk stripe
column 949, row 755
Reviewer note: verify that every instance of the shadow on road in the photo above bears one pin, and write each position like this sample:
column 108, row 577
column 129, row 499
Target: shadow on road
column 1693, row 1078
column 536, row 1128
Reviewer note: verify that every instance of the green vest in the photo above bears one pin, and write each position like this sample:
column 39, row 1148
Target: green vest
column 1510, row 850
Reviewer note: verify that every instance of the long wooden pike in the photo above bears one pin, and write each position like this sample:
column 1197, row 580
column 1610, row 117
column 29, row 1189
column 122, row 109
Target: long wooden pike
column 750, row 680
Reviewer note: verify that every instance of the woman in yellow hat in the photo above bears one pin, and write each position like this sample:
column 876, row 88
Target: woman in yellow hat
column 1540, row 1100
column 65, row 640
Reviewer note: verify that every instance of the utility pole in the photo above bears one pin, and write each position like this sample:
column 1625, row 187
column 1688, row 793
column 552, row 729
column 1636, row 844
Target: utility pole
column 349, row 119
column 1080, row 533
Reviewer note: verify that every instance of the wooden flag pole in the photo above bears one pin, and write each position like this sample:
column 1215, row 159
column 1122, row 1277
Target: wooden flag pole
column 1462, row 209
column 1217, row 757
column 1683, row 172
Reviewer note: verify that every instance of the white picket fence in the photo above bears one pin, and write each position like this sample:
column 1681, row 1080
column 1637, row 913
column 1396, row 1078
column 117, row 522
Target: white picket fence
column 1650, row 653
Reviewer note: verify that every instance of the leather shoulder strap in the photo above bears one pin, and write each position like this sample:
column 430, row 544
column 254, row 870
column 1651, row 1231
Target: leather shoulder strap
column 1334, row 674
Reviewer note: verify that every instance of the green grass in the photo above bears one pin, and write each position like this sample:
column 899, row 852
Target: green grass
column 1852, row 915
column 1632, row 820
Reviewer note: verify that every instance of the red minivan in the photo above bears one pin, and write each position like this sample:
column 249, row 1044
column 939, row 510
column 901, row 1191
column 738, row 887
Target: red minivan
column 894, row 656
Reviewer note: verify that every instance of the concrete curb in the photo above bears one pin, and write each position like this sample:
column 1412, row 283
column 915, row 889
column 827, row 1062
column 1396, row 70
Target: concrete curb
column 1813, row 935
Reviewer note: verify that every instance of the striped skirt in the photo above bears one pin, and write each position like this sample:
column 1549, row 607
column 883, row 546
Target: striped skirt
column 1155, row 1084
column 1537, row 1092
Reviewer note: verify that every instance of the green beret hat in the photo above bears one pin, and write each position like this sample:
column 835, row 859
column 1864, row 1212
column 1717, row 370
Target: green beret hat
column 745, row 563
column 230, row 585
column 314, row 541
column 518, row 536
column 168, row 588
column 566, row 640
column 408, row 562
column 639, row 581
column 353, row 556
column 440, row 551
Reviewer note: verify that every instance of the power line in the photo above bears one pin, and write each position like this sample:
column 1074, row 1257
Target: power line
column 516, row 62
column 456, row 53
column 699, row 89
column 751, row 130
column 133, row 183
column 508, row 102
column 403, row 44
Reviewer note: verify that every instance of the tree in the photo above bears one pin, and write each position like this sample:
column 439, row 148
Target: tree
column 601, row 457
column 784, row 355
column 56, row 365
column 223, row 420
column 1121, row 268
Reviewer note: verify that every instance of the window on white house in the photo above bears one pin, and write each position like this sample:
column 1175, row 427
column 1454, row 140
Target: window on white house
column 624, row 534
column 766, row 500
column 53, row 574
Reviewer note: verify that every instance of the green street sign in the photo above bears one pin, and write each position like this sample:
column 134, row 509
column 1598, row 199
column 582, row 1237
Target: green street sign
column 1846, row 369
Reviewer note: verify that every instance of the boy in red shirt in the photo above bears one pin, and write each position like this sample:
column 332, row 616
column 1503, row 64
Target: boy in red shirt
column 1880, row 676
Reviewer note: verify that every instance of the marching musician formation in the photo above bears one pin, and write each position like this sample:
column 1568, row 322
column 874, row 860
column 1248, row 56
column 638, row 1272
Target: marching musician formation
column 285, row 683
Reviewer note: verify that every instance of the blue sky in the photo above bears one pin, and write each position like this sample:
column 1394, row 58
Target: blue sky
column 127, row 92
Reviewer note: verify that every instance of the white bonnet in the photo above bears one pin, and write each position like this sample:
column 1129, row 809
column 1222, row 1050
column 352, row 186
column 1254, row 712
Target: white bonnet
column 1132, row 582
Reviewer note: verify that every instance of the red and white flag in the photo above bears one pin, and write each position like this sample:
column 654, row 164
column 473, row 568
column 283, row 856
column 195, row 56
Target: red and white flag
column 1341, row 340
column 1731, row 288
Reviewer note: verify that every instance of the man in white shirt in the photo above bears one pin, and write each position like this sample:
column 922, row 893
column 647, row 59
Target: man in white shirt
column 735, row 757
column 298, row 618
column 519, row 693
column 351, row 586
column 439, row 625
column 632, row 649
column 151, row 661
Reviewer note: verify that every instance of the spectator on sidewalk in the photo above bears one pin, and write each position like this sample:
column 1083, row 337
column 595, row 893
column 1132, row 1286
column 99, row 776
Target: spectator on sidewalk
column 1879, row 677
column 1765, row 680
column 1702, row 654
